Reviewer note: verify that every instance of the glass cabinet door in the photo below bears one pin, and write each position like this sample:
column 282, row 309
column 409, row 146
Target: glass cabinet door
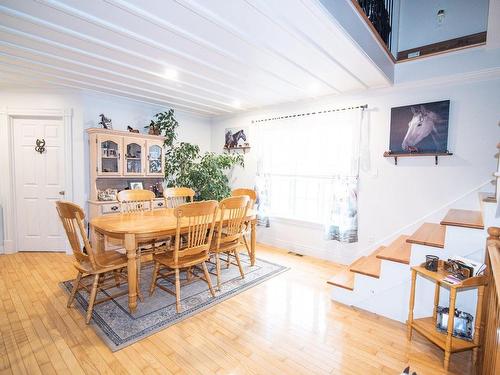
column 109, row 155
column 133, row 157
column 155, row 158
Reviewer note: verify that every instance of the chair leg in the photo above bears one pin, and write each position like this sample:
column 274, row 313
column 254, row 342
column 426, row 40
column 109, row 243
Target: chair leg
column 75, row 288
column 155, row 276
column 177, row 291
column 207, row 279
column 246, row 244
column 237, row 256
column 116, row 273
column 93, row 294
column 217, row 267
column 228, row 260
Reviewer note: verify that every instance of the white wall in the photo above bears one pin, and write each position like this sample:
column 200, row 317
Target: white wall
column 86, row 108
column 392, row 197
column 418, row 22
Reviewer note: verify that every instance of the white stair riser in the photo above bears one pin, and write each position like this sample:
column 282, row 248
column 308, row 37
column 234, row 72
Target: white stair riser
column 389, row 295
column 460, row 240
column 489, row 215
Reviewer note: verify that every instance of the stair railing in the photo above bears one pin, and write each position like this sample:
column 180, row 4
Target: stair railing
column 379, row 13
column 489, row 355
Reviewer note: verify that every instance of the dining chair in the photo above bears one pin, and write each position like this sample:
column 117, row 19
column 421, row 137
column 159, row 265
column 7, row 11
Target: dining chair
column 199, row 219
column 229, row 231
column 88, row 263
column 252, row 194
column 178, row 195
column 139, row 200
column 135, row 200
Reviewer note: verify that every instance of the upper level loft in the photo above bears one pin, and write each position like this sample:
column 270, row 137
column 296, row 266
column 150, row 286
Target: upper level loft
column 409, row 29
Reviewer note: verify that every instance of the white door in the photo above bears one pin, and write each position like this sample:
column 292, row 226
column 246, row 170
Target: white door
column 39, row 182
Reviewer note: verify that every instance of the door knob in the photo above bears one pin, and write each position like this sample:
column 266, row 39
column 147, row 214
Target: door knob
column 62, row 192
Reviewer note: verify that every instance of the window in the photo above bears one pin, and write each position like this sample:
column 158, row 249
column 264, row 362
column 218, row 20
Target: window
column 304, row 161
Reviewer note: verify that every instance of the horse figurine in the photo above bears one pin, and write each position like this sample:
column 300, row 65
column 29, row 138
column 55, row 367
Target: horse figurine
column 422, row 124
column 233, row 139
column 105, row 122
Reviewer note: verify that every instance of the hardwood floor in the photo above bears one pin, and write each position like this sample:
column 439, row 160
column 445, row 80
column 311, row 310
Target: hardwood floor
column 286, row 325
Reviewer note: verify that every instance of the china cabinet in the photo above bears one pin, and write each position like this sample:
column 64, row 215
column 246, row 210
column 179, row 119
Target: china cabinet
column 118, row 158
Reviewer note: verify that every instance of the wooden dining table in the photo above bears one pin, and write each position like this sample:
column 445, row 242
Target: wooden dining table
column 140, row 227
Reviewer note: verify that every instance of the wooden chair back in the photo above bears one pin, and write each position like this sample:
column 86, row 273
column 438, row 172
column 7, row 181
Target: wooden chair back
column 194, row 244
column 176, row 196
column 72, row 217
column 135, row 200
column 252, row 194
column 233, row 210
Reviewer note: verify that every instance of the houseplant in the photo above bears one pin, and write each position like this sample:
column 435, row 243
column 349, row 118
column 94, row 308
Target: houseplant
column 206, row 174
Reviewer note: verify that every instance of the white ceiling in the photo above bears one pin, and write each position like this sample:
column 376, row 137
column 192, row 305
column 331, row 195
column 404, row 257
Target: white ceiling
column 228, row 55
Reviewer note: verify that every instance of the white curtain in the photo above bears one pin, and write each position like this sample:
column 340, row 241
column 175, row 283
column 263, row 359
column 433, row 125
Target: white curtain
column 308, row 170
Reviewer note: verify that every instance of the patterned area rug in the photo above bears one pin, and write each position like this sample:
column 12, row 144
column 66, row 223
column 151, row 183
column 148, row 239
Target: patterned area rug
column 118, row 328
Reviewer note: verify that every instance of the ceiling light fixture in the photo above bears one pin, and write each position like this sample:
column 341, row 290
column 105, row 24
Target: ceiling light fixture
column 171, row 74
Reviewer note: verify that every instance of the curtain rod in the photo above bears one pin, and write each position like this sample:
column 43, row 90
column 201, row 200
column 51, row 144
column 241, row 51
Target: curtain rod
column 364, row 106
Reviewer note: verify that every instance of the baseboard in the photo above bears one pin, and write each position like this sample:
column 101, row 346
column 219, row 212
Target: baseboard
column 8, row 247
column 303, row 250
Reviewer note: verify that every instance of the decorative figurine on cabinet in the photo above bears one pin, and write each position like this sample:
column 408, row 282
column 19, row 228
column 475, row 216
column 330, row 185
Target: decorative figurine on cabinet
column 105, row 122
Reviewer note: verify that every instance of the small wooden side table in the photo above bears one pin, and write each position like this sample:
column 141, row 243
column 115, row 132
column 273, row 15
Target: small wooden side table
column 427, row 326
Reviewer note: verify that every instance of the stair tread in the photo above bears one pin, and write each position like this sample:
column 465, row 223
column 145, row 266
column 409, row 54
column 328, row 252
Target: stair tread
column 345, row 278
column 398, row 251
column 464, row 218
column 369, row 265
column 429, row 234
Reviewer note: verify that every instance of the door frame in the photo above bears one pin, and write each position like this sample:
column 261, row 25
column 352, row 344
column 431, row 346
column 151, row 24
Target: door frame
column 8, row 190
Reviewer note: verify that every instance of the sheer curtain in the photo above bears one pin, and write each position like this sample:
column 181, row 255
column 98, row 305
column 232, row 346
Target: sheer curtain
column 308, row 170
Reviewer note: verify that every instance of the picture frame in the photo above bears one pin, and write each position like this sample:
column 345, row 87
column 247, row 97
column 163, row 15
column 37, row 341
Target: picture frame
column 236, row 138
column 135, row 185
column 420, row 128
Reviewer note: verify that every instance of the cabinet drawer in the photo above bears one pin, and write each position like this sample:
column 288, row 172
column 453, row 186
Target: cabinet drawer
column 110, row 208
column 158, row 204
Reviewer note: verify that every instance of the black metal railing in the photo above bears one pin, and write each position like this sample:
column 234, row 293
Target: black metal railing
column 379, row 12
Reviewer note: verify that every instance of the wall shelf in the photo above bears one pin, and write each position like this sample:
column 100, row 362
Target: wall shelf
column 396, row 155
column 244, row 148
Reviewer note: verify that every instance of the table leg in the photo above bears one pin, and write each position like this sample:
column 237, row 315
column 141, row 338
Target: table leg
column 436, row 300
column 412, row 303
column 97, row 240
column 451, row 321
column 253, row 240
column 131, row 247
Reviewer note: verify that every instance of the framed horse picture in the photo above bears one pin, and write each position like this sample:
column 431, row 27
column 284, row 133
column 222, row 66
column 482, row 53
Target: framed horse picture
column 420, row 128
column 236, row 138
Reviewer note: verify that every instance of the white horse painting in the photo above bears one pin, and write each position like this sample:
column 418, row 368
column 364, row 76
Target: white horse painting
column 422, row 124
column 420, row 128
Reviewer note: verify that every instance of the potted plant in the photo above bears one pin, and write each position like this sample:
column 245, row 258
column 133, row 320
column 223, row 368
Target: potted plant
column 206, row 174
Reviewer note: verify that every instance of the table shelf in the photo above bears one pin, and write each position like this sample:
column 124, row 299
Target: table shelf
column 427, row 328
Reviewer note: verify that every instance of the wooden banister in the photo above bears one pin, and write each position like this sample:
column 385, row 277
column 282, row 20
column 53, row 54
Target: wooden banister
column 489, row 358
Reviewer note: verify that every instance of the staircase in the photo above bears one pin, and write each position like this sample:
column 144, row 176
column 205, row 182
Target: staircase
column 380, row 282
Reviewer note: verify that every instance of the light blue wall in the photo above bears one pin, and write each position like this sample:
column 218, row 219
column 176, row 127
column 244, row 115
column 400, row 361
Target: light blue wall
column 418, row 24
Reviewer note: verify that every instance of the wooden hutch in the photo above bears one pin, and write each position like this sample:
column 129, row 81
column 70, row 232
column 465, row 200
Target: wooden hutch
column 118, row 158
